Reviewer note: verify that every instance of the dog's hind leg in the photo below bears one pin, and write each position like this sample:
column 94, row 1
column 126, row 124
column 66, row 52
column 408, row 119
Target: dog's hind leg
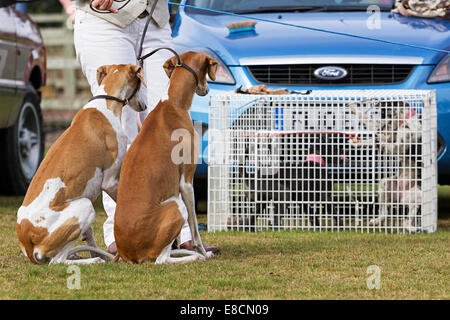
column 187, row 193
column 381, row 217
column 166, row 255
column 88, row 236
column 70, row 223
column 85, row 261
column 384, row 188
column 411, row 198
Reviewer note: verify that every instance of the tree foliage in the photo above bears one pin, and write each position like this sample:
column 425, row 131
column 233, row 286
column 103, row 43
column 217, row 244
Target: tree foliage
column 44, row 6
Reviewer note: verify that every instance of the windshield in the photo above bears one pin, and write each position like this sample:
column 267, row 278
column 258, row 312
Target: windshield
column 255, row 6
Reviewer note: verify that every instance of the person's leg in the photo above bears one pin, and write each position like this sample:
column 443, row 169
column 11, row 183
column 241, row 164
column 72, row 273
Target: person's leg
column 154, row 74
column 98, row 42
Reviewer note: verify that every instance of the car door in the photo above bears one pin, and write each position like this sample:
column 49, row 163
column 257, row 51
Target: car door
column 8, row 54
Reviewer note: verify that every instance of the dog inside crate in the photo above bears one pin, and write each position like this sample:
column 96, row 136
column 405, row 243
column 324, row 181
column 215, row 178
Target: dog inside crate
column 399, row 140
column 332, row 180
column 286, row 176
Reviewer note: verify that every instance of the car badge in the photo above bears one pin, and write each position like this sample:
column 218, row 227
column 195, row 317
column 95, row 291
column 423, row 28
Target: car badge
column 330, row 73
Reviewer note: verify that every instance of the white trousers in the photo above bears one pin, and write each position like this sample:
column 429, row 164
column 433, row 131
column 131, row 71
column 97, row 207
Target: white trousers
column 98, row 42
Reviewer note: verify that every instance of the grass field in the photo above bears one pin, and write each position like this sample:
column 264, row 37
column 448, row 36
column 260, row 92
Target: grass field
column 265, row 265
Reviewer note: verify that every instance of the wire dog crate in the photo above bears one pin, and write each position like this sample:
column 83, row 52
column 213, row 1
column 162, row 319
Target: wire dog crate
column 325, row 160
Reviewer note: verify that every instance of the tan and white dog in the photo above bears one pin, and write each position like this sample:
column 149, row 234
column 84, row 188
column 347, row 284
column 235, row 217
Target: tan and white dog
column 85, row 160
column 148, row 215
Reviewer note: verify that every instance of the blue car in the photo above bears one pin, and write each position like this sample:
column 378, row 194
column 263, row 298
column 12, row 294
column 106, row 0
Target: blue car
column 281, row 56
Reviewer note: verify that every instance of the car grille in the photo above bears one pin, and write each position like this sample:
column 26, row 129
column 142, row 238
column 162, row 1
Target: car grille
column 301, row 74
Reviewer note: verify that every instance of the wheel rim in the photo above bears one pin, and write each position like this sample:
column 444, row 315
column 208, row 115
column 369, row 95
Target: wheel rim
column 29, row 140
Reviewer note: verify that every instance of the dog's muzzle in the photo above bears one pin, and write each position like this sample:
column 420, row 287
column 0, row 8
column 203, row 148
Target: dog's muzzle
column 142, row 106
column 39, row 258
column 203, row 90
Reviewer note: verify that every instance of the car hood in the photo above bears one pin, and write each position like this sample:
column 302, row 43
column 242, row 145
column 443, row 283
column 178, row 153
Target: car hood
column 275, row 40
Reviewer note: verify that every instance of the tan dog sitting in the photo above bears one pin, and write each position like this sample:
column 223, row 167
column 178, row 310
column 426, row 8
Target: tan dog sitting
column 85, row 160
column 148, row 215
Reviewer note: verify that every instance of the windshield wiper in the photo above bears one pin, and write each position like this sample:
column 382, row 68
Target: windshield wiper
column 306, row 9
column 279, row 9
column 347, row 8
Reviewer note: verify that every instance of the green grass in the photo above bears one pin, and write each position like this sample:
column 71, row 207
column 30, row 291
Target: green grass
column 265, row 265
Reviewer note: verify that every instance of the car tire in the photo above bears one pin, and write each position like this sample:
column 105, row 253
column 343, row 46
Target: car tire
column 200, row 192
column 22, row 146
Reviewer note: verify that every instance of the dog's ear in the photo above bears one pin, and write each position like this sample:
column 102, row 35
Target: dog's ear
column 139, row 72
column 170, row 65
column 212, row 68
column 101, row 73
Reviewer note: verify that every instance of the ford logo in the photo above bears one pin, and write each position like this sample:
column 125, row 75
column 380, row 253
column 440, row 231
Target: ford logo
column 330, row 73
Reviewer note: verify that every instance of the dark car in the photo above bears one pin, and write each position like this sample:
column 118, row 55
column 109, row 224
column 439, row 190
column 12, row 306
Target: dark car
column 22, row 73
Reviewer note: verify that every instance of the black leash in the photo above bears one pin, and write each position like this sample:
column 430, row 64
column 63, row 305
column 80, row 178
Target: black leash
column 150, row 15
column 142, row 58
column 179, row 62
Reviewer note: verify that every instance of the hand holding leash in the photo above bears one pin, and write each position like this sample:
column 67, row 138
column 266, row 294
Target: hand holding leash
column 104, row 5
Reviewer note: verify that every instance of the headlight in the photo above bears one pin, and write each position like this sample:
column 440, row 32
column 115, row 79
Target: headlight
column 223, row 74
column 442, row 71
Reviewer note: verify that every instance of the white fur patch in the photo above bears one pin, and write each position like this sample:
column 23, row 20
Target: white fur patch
column 109, row 176
column 38, row 212
column 181, row 206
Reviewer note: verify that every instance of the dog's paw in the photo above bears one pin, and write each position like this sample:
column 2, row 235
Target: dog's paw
column 74, row 256
column 200, row 257
column 209, row 255
column 97, row 260
column 373, row 222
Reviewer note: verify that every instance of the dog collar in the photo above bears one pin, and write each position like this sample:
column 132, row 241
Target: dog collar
column 123, row 101
column 410, row 114
column 179, row 62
